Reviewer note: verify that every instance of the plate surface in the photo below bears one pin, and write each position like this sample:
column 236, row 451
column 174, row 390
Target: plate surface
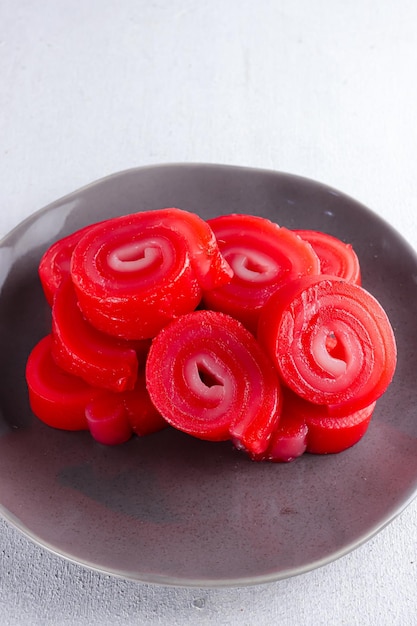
column 168, row 508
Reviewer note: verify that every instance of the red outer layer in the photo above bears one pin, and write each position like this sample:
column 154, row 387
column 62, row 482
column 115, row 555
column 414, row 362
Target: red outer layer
column 327, row 435
column 57, row 398
column 207, row 375
column 288, row 441
column 263, row 256
column 143, row 416
column 307, row 427
column 113, row 417
column 107, row 419
column 337, row 258
column 55, row 263
column 80, row 349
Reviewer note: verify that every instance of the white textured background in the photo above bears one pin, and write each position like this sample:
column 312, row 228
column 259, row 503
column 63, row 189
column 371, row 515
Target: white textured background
column 324, row 89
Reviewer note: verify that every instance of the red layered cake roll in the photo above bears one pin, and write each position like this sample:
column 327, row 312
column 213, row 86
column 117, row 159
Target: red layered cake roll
column 331, row 342
column 207, row 376
column 336, row 257
column 135, row 273
column 263, row 256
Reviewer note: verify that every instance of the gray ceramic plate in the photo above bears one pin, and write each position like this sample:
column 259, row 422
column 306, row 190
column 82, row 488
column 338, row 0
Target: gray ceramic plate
column 171, row 509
